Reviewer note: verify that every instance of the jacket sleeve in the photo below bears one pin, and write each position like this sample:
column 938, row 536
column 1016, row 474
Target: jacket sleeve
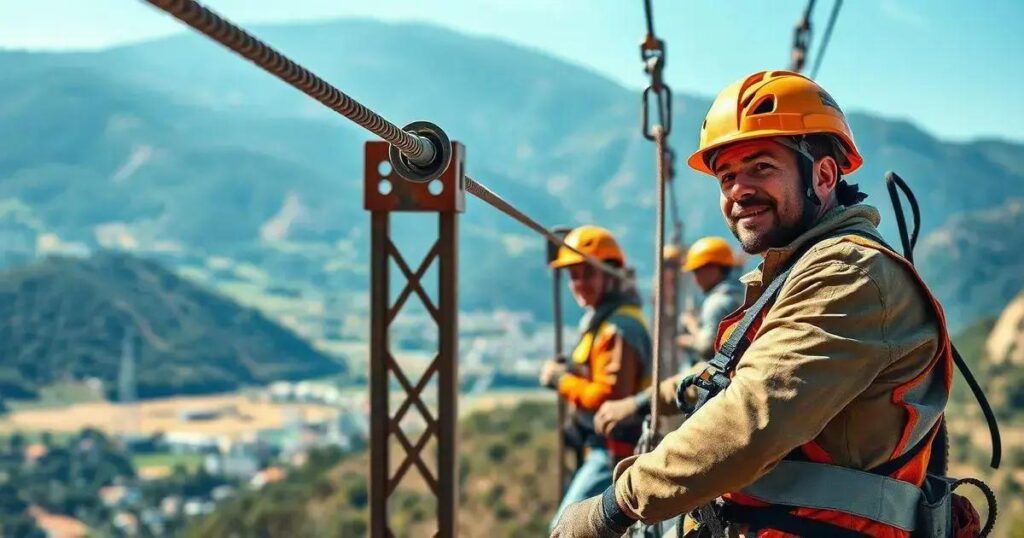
column 820, row 346
column 615, row 368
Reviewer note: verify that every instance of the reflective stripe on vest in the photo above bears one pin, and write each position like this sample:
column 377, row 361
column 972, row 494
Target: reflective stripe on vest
column 830, row 487
column 581, row 355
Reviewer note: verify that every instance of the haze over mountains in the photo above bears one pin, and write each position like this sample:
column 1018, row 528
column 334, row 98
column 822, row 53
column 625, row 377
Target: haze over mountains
column 176, row 146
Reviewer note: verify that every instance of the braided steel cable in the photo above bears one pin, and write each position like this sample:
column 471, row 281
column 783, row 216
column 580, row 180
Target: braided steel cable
column 828, row 36
column 497, row 202
column 801, row 39
column 417, row 149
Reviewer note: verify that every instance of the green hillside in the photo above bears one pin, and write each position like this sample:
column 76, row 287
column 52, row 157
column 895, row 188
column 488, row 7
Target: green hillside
column 65, row 319
column 333, row 501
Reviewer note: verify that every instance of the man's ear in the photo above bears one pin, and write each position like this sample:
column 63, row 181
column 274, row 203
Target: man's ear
column 826, row 177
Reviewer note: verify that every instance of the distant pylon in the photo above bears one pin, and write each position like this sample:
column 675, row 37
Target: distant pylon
column 126, row 386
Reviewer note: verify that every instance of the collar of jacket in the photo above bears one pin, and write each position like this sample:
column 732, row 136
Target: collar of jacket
column 861, row 217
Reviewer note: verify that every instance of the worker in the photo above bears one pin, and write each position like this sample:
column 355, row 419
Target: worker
column 712, row 262
column 839, row 356
column 611, row 360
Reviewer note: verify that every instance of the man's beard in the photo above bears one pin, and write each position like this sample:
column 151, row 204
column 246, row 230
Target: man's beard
column 778, row 236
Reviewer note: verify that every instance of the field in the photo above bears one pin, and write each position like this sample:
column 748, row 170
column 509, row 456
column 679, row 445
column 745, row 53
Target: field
column 161, row 464
column 236, row 414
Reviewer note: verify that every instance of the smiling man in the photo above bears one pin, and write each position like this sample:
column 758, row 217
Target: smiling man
column 828, row 385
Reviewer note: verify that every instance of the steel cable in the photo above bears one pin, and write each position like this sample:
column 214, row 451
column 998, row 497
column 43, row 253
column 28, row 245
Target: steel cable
column 215, row 27
column 827, row 37
column 497, row 202
column 415, row 148
column 801, row 39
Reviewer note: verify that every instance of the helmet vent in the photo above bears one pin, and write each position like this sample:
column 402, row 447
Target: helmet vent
column 764, row 106
column 746, row 100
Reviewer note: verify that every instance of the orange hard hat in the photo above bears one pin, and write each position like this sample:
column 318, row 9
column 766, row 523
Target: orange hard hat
column 592, row 240
column 773, row 104
column 709, row 250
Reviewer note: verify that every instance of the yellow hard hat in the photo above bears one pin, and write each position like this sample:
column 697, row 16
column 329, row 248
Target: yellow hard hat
column 592, row 240
column 708, row 250
column 770, row 104
column 672, row 254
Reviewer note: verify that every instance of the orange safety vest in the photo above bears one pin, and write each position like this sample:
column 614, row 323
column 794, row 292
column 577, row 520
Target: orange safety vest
column 805, row 495
column 628, row 321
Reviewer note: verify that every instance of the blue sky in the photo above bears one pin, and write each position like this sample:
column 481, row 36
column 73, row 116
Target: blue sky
column 945, row 65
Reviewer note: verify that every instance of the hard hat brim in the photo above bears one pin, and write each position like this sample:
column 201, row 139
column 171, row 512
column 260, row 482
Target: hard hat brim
column 698, row 160
column 566, row 260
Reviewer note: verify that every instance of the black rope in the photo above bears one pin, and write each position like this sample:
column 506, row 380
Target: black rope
column 649, row 16
column 892, row 182
column 909, row 241
column 828, row 36
column 990, row 497
column 986, row 409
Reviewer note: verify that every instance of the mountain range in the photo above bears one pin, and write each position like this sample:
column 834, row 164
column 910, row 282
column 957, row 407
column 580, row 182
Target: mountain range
column 176, row 148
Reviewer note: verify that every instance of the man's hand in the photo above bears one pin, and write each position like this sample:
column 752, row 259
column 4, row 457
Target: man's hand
column 685, row 341
column 550, row 374
column 586, row 519
column 611, row 413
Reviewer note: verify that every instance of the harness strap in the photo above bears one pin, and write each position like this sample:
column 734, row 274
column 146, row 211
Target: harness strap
column 715, row 378
column 817, row 485
column 781, row 519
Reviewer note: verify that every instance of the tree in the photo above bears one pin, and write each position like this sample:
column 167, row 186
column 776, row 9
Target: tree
column 14, row 517
column 16, row 443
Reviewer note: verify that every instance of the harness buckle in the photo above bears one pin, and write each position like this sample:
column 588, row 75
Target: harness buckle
column 708, row 383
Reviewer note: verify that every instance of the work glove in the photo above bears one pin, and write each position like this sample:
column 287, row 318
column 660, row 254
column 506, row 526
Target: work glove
column 593, row 518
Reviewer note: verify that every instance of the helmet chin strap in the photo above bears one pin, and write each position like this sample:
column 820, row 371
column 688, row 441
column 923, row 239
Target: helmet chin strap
column 805, row 167
column 805, row 164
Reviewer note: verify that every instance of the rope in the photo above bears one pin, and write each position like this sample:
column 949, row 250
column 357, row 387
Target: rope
column 990, row 497
column 499, row 203
column 801, row 38
column 417, row 149
column 659, row 267
column 828, row 36
column 653, row 54
column 893, row 180
column 677, row 223
column 649, row 17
